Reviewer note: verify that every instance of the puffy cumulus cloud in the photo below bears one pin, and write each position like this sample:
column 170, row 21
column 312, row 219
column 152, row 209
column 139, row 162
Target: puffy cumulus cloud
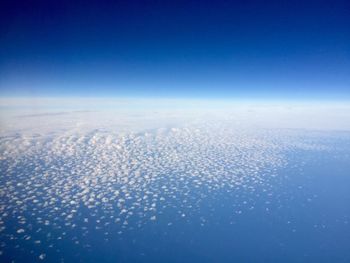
column 90, row 180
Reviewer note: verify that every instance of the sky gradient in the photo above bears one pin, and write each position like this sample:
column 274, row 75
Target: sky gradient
column 176, row 49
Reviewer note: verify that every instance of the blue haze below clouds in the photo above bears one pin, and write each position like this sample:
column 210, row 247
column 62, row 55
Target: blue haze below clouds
column 303, row 217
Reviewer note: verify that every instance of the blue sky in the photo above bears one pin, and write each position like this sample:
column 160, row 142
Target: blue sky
column 296, row 50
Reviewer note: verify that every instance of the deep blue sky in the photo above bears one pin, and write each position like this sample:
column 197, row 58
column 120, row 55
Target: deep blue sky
column 221, row 49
